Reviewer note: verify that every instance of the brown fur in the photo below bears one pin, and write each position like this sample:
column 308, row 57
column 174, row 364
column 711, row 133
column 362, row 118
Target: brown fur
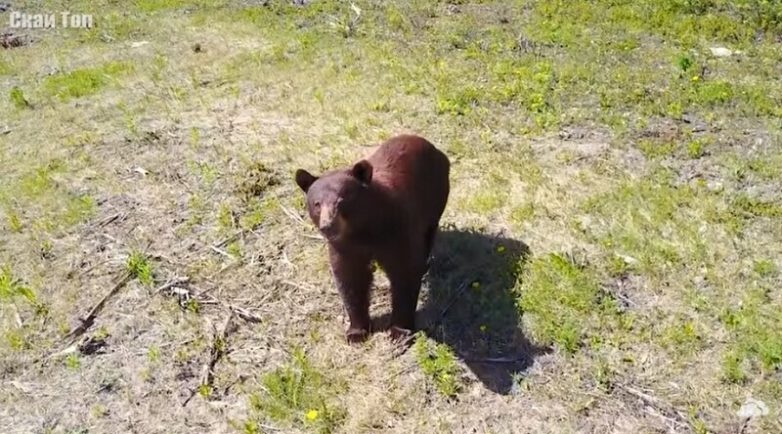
column 386, row 208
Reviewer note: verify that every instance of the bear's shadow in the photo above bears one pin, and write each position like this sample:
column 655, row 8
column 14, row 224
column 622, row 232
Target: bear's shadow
column 468, row 303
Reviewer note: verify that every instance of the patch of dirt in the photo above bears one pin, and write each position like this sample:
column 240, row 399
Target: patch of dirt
column 10, row 40
column 257, row 179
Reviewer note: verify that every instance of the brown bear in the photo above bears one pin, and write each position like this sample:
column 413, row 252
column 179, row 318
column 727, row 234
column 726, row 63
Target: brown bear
column 385, row 208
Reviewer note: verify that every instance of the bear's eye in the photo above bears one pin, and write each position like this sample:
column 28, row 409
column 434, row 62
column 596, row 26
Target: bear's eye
column 343, row 206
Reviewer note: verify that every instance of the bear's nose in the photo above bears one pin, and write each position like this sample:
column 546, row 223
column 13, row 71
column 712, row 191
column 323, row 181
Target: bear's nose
column 328, row 230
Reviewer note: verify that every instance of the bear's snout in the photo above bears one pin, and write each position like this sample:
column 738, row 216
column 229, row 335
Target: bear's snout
column 328, row 224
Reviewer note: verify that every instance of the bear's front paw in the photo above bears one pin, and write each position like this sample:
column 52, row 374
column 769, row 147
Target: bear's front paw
column 400, row 334
column 356, row 336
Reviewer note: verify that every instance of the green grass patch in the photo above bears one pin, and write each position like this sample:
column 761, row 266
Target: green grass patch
column 159, row 5
column 696, row 148
column 681, row 335
column 561, row 300
column 714, row 92
column 11, row 287
column 139, row 267
column 765, row 268
column 5, row 68
column 18, row 99
column 13, row 221
column 656, row 148
column 747, row 206
column 83, row 82
column 438, row 363
column 300, row 394
column 79, row 209
column 657, row 222
column 756, row 331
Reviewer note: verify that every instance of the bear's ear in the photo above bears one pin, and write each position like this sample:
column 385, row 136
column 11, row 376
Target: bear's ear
column 305, row 179
column 362, row 171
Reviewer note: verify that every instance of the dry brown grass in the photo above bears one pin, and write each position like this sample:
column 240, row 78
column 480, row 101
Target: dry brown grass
column 577, row 194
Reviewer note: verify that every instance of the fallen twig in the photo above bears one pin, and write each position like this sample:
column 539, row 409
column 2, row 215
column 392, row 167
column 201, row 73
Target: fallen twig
column 221, row 251
column 110, row 219
column 664, row 410
column 299, row 286
column 229, row 239
column 184, row 295
column 217, row 349
column 171, row 283
column 244, row 314
column 295, row 217
column 86, row 321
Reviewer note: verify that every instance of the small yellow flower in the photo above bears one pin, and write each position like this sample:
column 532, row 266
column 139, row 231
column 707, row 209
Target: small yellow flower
column 501, row 249
column 696, row 78
column 312, row 414
column 483, row 327
column 476, row 285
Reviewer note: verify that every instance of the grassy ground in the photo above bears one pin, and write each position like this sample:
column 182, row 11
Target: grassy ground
column 610, row 256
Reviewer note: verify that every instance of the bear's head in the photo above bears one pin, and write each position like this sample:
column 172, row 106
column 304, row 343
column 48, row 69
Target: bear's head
column 337, row 200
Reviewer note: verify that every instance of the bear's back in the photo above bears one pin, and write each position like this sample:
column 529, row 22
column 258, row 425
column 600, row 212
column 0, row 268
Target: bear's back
column 415, row 171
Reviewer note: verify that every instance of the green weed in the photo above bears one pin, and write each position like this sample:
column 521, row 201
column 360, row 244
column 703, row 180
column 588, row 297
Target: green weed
column 438, row 362
column 560, row 299
column 79, row 209
column 746, row 206
column 73, row 361
column 655, row 222
column 159, row 5
column 16, row 339
column 18, row 99
column 153, row 354
column 225, row 219
column 696, row 149
column 732, row 369
column 764, row 268
column 83, row 82
column 14, row 222
column 656, row 149
column 11, row 287
column 139, row 267
column 300, row 394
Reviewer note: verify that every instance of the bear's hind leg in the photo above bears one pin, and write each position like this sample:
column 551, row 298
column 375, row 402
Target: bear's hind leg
column 353, row 277
column 405, row 277
column 429, row 237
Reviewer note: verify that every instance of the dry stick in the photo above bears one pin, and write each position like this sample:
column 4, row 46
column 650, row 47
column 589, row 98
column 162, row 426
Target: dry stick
column 299, row 286
column 221, row 251
column 204, row 298
column 87, row 321
column 110, row 219
column 229, row 239
column 241, row 312
column 655, row 403
column 216, row 351
column 244, row 314
column 171, row 283
column 295, row 217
